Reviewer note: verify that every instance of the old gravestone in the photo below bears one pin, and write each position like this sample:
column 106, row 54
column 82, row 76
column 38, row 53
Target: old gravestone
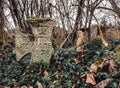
column 42, row 46
column 22, row 44
column 112, row 34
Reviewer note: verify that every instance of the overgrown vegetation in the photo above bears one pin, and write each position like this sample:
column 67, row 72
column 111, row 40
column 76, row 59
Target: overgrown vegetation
column 65, row 71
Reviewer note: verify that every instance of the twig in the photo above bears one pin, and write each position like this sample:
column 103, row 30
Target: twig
column 66, row 39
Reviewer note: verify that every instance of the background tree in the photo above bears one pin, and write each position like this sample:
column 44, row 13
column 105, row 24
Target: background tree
column 70, row 15
column 2, row 21
column 115, row 7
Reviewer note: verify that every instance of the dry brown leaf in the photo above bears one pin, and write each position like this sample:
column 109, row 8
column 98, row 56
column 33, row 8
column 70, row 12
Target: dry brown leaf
column 5, row 87
column 1, row 54
column 55, row 81
column 103, row 63
column 55, row 73
column 39, row 84
column 46, row 74
column 99, row 64
column 93, row 68
column 30, row 87
column 90, row 79
column 76, row 60
column 103, row 83
column 112, row 66
column 73, row 86
column 83, row 76
column 24, row 87
column 79, row 49
column 58, row 74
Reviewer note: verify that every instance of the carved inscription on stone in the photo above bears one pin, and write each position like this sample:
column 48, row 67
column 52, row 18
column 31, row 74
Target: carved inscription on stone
column 42, row 52
column 42, row 44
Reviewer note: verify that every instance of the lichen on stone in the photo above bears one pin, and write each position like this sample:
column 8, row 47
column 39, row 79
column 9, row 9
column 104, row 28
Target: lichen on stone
column 19, row 41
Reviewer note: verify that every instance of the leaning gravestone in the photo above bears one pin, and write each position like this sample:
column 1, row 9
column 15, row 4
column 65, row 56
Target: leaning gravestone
column 22, row 44
column 42, row 46
column 112, row 34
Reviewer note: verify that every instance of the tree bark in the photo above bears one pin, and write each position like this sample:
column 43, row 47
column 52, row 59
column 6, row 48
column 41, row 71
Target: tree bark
column 2, row 21
column 78, row 22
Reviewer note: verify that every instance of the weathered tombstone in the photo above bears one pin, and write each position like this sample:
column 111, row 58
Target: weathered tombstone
column 22, row 44
column 42, row 47
column 113, row 34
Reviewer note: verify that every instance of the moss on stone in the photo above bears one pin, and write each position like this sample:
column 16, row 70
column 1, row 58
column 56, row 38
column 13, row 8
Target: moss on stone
column 38, row 20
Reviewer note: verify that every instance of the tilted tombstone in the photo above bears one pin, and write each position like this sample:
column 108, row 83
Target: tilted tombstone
column 42, row 46
column 112, row 34
column 23, row 44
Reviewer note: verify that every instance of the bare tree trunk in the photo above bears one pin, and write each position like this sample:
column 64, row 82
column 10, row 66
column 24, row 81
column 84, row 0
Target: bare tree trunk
column 16, row 12
column 67, row 14
column 78, row 22
column 89, row 30
column 1, row 15
column 62, row 18
column 2, row 21
column 12, row 13
column 87, row 20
